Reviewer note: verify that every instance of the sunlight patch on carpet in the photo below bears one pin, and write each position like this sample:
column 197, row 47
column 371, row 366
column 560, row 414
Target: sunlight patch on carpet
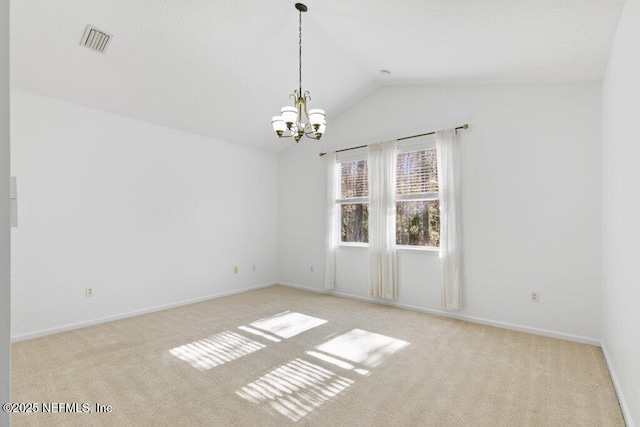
column 337, row 362
column 216, row 350
column 362, row 347
column 259, row 333
column 295, row 389
column 288, row 324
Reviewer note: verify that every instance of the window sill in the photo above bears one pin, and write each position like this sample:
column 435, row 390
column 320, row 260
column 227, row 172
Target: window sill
column 352, row 245
column 422, row 249
column 399, row 248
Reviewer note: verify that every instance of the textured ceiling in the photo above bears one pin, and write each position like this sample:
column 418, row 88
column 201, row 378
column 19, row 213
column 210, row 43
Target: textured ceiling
column 223, row 68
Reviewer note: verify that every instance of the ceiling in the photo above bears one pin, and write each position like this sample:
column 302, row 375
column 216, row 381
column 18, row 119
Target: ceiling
column 223, row 68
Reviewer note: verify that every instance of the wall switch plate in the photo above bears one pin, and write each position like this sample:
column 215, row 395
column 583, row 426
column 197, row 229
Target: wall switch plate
column 535, row 296
column 88, row 292
column 235, row 270
column 311, row 269
column 253, row 268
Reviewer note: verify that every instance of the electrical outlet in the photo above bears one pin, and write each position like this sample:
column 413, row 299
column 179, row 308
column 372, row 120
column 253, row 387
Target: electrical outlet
column 88, row 292
column 535, row 296
column 311, row 269
column 253, row 268
column 235, row 270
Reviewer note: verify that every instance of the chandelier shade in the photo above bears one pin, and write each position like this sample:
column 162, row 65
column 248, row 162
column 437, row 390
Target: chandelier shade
column 296, row 121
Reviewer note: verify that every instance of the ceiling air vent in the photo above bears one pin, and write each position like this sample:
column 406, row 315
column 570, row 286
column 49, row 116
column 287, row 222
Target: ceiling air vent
column 95, row 39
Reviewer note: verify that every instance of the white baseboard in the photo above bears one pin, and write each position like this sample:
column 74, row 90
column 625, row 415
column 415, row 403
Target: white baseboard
column 443, row 313
column 78, row 325
column 451, row 315
column 616, row 385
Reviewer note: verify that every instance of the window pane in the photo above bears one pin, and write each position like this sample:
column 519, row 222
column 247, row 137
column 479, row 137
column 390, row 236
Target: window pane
column 418, row 223
column 354, row 222
column 417, row 172
column 353, row 179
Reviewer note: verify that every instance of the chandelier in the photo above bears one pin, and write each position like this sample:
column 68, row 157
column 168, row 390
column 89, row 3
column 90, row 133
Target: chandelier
column 296, row 121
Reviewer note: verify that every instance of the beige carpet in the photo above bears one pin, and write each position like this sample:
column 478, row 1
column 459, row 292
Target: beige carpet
column 280, row 356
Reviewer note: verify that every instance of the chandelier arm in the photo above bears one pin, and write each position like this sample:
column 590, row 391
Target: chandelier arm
column 311, row 134
column 306, row 98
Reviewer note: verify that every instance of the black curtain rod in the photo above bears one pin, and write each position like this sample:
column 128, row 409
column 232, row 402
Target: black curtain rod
column 464, row 126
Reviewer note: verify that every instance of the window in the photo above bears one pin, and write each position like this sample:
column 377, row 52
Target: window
column 354, row 202
column 417, row 204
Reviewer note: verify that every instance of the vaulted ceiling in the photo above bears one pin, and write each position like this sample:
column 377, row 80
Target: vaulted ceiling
column 223, row 68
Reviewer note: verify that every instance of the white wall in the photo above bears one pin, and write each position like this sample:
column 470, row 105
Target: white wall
column 621, row 210
column 5, row 288
column 145, row 215
column 531, row 202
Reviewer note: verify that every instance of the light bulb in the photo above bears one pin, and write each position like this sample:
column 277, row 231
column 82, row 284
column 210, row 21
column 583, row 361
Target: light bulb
column 278, row 125
column 321, row 129
column 289, row 115
column 316, row 118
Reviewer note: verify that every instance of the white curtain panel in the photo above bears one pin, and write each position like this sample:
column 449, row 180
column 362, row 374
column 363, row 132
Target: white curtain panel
column 329, row 269
column 382, row 220
column 450, row 225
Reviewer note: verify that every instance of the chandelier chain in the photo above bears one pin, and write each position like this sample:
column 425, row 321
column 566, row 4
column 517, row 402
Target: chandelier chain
column 300, row 51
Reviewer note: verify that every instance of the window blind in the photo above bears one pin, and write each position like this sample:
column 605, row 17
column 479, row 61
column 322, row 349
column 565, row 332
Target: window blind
column 417, row 172
column 353, row 179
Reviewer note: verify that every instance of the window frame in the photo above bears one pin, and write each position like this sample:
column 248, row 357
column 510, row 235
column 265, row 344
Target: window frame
column 346, row 157
column 428, row 143
column 408, row 146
